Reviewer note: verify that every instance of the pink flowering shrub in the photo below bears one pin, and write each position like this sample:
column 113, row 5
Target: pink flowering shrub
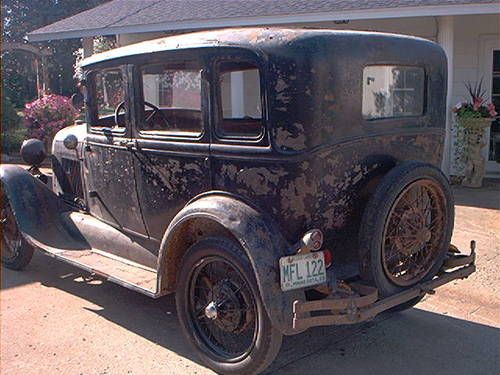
column 44, row 117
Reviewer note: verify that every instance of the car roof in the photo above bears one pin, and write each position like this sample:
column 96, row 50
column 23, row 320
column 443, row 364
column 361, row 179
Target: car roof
column 258, row 39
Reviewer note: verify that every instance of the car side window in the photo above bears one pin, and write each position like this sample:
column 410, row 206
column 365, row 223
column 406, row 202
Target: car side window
column 393, row 91
column 172, row 102
column 240, row 108
column 109, row 97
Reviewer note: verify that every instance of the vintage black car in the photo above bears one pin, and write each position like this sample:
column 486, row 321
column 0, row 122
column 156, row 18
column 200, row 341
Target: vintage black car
column 274, row 179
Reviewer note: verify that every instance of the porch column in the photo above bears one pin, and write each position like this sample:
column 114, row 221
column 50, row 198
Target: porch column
column 237, row 94
column 38, row 79
column 88, row 46
column 45, row 75
column 446, row 40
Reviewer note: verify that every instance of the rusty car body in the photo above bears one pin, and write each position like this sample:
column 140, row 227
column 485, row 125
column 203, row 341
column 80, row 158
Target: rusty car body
column 276, row 145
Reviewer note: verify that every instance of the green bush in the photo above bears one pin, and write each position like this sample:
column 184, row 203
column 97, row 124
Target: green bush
column 13, row 131
column 12, row 141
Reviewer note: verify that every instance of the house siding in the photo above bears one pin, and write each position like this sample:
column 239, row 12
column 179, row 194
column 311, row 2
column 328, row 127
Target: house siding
column 468, row 33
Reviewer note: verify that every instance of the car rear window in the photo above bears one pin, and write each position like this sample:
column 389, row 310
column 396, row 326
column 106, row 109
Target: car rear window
column 240, row 100
column 393, row 91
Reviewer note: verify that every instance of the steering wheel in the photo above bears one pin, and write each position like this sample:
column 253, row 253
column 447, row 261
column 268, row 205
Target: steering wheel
column 118, row 108
column 155, row 109
column 153, row 114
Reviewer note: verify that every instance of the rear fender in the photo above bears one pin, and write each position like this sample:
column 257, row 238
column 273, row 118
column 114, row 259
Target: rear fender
column 258, row 236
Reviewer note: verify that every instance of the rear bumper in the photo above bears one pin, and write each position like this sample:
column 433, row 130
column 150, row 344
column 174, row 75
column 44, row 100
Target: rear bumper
column 356, row 303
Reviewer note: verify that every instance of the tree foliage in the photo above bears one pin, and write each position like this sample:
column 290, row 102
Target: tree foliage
column 20, row 17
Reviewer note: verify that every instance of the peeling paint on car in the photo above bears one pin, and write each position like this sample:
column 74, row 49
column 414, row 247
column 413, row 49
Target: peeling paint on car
column 311, row 167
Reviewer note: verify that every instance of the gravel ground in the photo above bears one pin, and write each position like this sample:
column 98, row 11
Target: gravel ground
column 54, row 320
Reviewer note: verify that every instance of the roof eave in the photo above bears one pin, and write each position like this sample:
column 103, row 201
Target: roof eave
column 421, row 11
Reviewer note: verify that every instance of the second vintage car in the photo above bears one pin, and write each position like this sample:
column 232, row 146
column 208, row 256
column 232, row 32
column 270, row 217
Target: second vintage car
column 274, row 179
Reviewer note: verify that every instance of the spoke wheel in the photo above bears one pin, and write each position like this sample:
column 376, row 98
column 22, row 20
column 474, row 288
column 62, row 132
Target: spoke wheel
column 223, row 308
column 221, row 311
column 16, row 253
column 413, row 232
column 11, row 237
column 406, row 228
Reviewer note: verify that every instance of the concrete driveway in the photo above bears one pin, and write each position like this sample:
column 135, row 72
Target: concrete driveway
column 54, row 320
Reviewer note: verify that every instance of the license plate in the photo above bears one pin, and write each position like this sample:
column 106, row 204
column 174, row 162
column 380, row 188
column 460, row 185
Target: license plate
column 299, row 271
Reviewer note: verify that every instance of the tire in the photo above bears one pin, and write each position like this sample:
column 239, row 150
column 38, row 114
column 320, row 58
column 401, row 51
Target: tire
column 202, row 278
column 406, row 228
column 16, row 252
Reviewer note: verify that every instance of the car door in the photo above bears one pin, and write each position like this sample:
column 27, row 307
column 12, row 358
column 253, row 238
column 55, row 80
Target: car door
column 109, row 167
column 239, row 123
column 172, row 157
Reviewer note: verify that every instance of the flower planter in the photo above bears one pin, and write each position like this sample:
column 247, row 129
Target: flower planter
column 474, row 142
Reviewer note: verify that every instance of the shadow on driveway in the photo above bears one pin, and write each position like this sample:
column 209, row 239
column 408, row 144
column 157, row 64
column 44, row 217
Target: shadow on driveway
column 414, row 342
column 487, row 196
column 411, row 342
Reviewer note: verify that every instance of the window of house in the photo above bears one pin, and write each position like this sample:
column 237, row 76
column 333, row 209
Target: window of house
column 494, row 154
column 393, row 91
column 172, row 99
column 240, row 112
column 109, row 94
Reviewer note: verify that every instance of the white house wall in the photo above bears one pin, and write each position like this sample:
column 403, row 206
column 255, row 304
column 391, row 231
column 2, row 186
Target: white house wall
column 425, row 27
column 468, row 33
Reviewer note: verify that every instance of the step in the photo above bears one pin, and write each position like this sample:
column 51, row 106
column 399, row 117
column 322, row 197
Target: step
column 88, row 243
column 115, row 269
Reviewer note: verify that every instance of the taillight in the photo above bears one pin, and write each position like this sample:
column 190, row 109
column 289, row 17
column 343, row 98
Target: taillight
column 328, row 258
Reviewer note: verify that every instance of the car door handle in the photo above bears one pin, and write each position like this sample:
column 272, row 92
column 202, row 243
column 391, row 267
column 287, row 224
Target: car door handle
column 128, row 143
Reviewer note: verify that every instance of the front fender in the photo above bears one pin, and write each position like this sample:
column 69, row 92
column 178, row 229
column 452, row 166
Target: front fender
column 257, row 235
column 36, row 208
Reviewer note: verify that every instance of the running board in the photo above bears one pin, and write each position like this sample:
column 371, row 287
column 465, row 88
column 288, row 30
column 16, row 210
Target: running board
column 112, row 268
column 88, row 243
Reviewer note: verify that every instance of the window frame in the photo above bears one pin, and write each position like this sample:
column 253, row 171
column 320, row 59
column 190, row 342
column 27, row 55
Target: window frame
column 218, row 110
column 204, row 90
column 495, row 124
column 398, row 117
column 91, row 111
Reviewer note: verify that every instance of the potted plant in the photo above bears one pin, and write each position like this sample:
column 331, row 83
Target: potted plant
column 474, row 117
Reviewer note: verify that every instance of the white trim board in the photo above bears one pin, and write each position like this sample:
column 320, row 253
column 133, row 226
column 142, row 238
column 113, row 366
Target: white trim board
column 487, row 44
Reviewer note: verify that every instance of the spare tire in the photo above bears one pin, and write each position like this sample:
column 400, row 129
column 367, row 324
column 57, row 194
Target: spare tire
column 406, row 228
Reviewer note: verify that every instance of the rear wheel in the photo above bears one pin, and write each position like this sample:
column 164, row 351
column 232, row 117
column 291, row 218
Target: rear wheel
column 16, row 252
column 406, row 228
column 221, row 311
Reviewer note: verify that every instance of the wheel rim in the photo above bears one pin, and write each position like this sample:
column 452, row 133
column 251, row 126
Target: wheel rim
column 11, row 237
column 414, row 232
column 222, row 309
